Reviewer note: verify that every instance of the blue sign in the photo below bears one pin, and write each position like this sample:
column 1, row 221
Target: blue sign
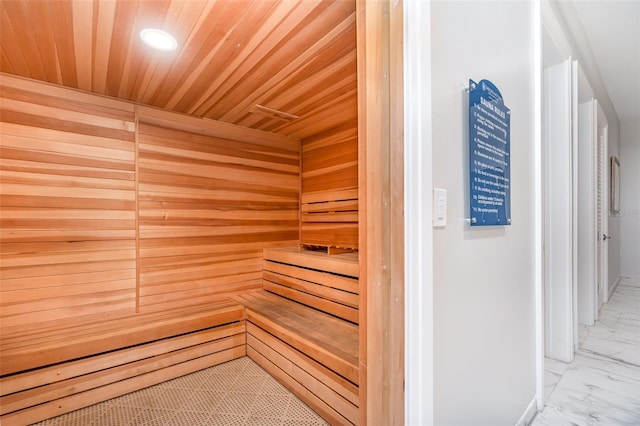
column 489, row 161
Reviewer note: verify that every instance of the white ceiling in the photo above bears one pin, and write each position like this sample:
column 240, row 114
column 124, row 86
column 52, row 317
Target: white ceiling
column 613, row 31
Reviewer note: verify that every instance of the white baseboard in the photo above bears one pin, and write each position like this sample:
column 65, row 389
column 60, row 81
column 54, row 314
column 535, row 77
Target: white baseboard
column 528, row 414
column 612, row 288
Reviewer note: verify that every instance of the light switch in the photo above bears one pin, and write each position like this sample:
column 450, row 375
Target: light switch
column 439, row 207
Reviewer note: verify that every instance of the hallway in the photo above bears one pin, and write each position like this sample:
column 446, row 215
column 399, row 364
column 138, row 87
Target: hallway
column 602, row 385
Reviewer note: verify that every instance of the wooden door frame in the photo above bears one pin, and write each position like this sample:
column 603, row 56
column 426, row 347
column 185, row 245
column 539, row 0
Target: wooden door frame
column 418, row 215
column 381, row 210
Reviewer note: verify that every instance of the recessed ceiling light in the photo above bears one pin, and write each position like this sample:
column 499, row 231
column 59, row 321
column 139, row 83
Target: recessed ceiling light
column 158, row 39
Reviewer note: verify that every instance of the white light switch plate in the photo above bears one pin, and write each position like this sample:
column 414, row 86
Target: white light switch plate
column 439, row 207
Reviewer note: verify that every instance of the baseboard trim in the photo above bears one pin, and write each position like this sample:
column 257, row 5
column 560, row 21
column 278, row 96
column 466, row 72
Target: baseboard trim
column 612, row 288
column 528, row 414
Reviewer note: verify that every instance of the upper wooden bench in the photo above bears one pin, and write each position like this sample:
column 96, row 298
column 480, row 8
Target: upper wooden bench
column 59, row 366
column 303, row 328
column 328, row 283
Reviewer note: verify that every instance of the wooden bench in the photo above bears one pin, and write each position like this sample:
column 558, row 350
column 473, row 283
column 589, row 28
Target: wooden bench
column 302, row 328
column 57, row 367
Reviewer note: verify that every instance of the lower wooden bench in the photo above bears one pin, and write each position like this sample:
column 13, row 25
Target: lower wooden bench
column 312, row 353
column 56, row 368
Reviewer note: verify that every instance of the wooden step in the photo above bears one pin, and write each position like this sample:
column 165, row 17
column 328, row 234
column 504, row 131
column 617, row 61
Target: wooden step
column 331, row 341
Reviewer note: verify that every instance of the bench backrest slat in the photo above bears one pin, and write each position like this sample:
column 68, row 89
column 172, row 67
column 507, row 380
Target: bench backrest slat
column 328, row 283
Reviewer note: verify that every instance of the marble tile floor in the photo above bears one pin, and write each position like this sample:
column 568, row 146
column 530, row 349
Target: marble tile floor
column 602, row 385
column 235, row 393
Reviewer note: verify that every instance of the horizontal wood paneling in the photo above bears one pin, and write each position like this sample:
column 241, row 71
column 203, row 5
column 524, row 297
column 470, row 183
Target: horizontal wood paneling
column 203, row 197
column 329, row 209
column 298, row 57
column 208, row 205
column 68, row 216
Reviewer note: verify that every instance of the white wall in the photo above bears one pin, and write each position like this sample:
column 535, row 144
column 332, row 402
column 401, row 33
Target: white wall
column 484, row 292
column 630, row 198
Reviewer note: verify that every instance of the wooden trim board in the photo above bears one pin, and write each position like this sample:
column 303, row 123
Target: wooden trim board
column 381, row 236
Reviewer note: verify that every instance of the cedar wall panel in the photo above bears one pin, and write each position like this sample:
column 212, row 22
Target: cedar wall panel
column 102, row 216
column 329, row 194
column 68, row 237
column 208, row 206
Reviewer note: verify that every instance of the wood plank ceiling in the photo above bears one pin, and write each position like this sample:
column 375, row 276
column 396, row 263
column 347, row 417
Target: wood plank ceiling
column 294, row 56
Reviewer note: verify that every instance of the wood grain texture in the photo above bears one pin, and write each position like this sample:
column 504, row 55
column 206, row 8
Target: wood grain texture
column 293, row 278
column 295, row 56
column 326, row 411
column 24, row 351
column 345, row 264
column 57, row 373
column 381, row 199
column 331, row 159
column 206, row 196
column 105, row 212
column 208, row 206
column 311, row 353
column 329, row 194
column 99, row 377
column 59, row 366
column 339, row 385
column 312, row 382
column 396, row 298
column 140, row 351
column 68, row 213
column 330, row 341
column 118, row 388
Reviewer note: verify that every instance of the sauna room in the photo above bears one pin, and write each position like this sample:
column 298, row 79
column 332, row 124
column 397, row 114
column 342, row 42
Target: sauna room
column 168, row 209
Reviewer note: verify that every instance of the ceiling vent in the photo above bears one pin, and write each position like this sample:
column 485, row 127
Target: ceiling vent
column 273, row 113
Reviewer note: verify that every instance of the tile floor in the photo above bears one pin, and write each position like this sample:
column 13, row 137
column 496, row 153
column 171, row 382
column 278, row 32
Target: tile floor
column 602, row 385
column 238, row 392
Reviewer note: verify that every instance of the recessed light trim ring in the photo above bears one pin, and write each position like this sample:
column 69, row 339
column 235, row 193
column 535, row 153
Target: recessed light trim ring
column 158, row 39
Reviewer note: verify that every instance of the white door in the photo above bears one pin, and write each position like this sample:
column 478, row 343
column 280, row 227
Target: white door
column 602, row 197
column 574, row 197
column 600, row 234
column 587, row 213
